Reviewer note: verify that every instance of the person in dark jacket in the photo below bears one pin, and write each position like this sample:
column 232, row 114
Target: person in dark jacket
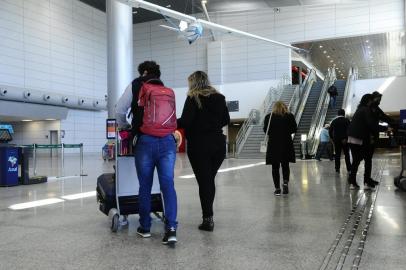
column 204, row 115
column 332, row 90
column 338, row 133
column 280, row 149
column 379, row 116
column 360, row 131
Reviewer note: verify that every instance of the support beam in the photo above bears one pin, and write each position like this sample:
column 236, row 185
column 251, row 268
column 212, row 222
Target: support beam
column 120, row 51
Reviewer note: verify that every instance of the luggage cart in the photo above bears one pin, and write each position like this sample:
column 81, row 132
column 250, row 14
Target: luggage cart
column 125, row 181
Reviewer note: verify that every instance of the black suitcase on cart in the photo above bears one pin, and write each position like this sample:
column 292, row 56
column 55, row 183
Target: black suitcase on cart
column 106, row 196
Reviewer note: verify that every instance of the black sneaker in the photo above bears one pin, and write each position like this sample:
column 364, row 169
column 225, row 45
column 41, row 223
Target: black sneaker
column 170, row 237
column 285, row 189
column 207, row 224
column 354, row 186
column 143, row 233
column 277, row 192
column 372, row 181
column 368, row 185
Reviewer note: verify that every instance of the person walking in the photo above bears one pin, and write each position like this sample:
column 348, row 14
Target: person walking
column 155, row 145
column 204, row 115
column 338, row 133
column 378, row 116
column 332, row 90
column 280, row 151
column 360, row 131
column 325, row 144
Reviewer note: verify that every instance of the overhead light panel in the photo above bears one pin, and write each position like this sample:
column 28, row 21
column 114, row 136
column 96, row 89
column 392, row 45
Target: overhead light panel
column 321, row 46
column 26, row 120
column 325, row 52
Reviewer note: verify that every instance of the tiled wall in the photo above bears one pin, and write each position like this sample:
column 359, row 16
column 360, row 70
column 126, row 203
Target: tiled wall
column 58, row 46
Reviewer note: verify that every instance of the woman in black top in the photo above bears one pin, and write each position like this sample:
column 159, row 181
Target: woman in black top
column 280, row 149
column 360, row 132
column 204, row 115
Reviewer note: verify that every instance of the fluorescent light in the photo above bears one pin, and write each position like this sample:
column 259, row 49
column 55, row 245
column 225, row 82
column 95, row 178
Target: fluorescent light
column 26, row 120
column 325, row 52
column 50, row 119
column 32, row 204
column 321, row 46
column 367, row 41
column 182, row 25
column 227, row 169
column 79, row 195
column 328, row 56
column 331, row 61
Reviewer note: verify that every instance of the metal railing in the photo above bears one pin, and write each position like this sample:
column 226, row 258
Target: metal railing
column 320, row 113
column 61, row 146
column 347, row 91
column 256, row 117
column 304, row 91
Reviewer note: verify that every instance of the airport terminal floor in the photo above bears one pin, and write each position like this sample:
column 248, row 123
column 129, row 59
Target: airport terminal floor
column 319, row 225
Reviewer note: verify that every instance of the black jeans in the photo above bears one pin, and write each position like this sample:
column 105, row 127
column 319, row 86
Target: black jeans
column 276, row 176
column 369, row 152
column 359, row 153
column 206, row 158
column 339, row 146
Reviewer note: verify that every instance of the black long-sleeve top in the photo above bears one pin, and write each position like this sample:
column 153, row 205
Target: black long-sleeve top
column 205, row 121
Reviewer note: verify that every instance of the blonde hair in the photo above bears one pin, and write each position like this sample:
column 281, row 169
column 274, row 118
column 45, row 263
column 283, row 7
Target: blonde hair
column 199, row 85
column 280, row 108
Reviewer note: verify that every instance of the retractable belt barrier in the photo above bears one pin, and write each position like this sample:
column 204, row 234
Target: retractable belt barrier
column 61, row 146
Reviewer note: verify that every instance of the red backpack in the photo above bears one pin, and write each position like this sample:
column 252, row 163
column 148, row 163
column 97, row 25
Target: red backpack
column 159, row 110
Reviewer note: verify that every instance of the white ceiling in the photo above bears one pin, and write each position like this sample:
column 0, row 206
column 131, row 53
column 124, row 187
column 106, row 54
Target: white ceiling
column 378, row 55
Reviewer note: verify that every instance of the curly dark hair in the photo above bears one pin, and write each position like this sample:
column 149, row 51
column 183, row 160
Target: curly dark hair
column 149, row 66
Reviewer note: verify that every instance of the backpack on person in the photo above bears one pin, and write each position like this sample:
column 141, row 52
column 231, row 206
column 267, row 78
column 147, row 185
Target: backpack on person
column 159, row 110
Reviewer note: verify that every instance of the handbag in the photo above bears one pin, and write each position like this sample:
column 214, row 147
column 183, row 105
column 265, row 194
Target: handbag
column 264, row 144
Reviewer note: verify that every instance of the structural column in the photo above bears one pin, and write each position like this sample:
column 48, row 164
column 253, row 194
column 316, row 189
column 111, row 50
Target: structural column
column 119, row 51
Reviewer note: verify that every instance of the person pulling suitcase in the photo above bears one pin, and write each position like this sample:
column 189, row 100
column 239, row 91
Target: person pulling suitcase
column 153, row 112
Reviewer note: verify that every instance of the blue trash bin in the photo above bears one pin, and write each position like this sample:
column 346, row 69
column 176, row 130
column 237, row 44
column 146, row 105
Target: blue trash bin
column 8, row 166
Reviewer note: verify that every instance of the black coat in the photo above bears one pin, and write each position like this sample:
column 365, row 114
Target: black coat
column 280, row 144
column 339, row 128
column 363, row 125
column 204, row 123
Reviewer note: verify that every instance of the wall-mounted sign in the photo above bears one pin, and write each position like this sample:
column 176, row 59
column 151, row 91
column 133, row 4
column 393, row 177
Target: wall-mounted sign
column 233, row 106
column 110, row 129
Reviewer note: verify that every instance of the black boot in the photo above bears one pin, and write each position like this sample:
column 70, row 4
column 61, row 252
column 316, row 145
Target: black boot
column 207, row 224
column 285, row 188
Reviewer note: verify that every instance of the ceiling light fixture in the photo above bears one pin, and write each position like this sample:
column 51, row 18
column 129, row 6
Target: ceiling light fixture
column 321, row 46
column 26, row 120
column 328, row 56
column 367, row 41
column 331, row 61
column 325, row 52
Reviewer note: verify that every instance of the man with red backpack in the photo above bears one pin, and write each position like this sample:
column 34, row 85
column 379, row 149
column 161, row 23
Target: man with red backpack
column 153, row 113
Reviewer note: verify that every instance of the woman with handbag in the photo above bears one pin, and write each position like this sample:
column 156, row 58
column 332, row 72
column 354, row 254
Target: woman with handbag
column 279, row 127
column 204, row 115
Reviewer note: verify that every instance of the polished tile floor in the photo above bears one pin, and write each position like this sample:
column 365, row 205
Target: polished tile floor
column 253, row 229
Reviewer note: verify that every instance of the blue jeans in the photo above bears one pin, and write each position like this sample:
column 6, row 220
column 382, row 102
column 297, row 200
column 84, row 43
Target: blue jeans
column 160, row 153
column 333, row 102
